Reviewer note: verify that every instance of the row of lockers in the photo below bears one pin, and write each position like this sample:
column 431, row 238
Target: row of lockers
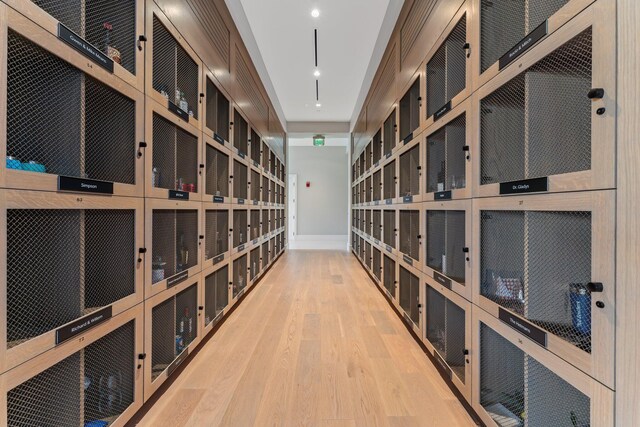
column 102, row 376
column 545, row 259
column 68, row 257
column 67, row 117
column 507, row 377
column 546, row 123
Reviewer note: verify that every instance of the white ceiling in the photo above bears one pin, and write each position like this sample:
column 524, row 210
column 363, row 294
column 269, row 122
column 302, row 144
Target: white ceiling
column 348, row 32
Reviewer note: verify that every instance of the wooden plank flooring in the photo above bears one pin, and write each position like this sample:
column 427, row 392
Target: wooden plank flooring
column 315, row 344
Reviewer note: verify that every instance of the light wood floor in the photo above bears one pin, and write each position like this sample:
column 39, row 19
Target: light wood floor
column 314, row 344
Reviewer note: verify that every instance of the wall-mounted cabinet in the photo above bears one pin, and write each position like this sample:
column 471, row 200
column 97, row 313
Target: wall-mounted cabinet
column 410, row 236
column 115, row 45
column 217, row 176
column 410, row 106
column 448, row 79
column 173, row 70
column 173, row 156
column 172, row 331
column 447, row 242
column 216, row 295
column 409, row 295
column 66, row 258
column 172, row 240
column 216, row 234
column 447, row 333
column 516, row 383
column 240, row 182
column 92, row 381
column 90, row 145
column 448, row 156
column 548, row 262
column 217, row 112
column 557, row 93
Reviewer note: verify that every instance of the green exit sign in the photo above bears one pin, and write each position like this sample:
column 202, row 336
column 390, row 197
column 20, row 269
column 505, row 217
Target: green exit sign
column 318, row 141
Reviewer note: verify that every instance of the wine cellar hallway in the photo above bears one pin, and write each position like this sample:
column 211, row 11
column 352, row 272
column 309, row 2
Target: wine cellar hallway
column 314, row 344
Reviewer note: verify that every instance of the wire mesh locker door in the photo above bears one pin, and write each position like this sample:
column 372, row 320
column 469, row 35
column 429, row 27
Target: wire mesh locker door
column 389, row 134
column 446, row 250
column 216, row 233
column 240, row 187
column 217, row 173
column 266, row 259
column 256, row 145
column 239, row 275
column 410, row 174
column 175, row 75
column 376, row 185
column 367, row 157
column 363, row 170
column 216, row 294
column 410, row 233
column 376, row 148
column 367, row 255
column 255, row 186
column 410, row 295
column 240, row 227
column 217, row 113
column 175, row 156
column 390, row 178
column 255, row 263
column 240, row 134
column 376, row 265
column 94, row 138
column 367, row 222
column 447, row 70
column 376, row 227
column 174, row 243
column 410, row 112
column 94, row 385
column 389, row 272
column 265, row 189
column 389, row 228
column 255, row 224
column 272, row 222
column 447, row 159
column 367, row 189
column 445, row 329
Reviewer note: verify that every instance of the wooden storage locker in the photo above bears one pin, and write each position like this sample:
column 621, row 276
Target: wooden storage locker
column 255, row 183
column 217, row 176
column 240, row 229
column 216, row 233
column 376, row 263
column 173, row 76
column 121, row 51
column 172, row 157
column 216, row 295
column 447, row 232
column 390, row 179
column 390, row 230
column 547, row 261
column 410, row 236
column 410, row 183
column 448, row 148
column 239, row 180
column 96, row 379
column 409, row 295
column 549, row 123
column 88, row 143
column 516, row 382
column 173, row 238
column 255, row 145
column 240, row 134
column 67, row 259
column 376, row 149
column 217, row 111
column 376, row 185
column 172, row 331
column 389, row 135
column 390, row 276
column 410, row 108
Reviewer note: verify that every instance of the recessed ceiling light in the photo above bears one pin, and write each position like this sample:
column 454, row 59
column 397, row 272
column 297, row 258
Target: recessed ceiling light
column 318, row 105
column 316, row 73
column 315, row 13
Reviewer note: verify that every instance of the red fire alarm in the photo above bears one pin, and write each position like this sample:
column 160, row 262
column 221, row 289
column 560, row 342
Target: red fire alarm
column 308, row 184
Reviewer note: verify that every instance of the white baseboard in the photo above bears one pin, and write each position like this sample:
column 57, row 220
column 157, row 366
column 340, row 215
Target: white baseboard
column 320, row 242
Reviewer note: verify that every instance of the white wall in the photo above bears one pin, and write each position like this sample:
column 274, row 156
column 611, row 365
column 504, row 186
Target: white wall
column 322, row 207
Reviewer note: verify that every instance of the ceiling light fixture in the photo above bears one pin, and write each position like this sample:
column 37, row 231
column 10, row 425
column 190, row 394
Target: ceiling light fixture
column 318, row 105
column 315, row 13
column 316, row 73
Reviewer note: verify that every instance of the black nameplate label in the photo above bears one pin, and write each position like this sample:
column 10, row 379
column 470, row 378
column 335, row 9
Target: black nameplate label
column 240, row 293
column 376, row 164
column 534, row 185
column 407, row 259
column 241, row 154
column 407, row 138
column 255, row 241
column 387, row 155
column 85, row 48
column 240, row 201
column 525, row 328
column 180, row 195
column 177, row 278
column 443, row 364
column 389, row 249
column 218, row 199
column 442, row 111
column 178, row 111
column 218, row 138
column 388, row 293
column 82, row 325
column 256, row 164
column 407, row 319
column 442, row 195
column 67, row 183
column 388, row 201
column 255, row 202
column 532, row 38
column 178, row 361
column 377, row 202
column 217, row 319
column 240, row 248
column 443, row 280
column 407, row 199
column 218, row 259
